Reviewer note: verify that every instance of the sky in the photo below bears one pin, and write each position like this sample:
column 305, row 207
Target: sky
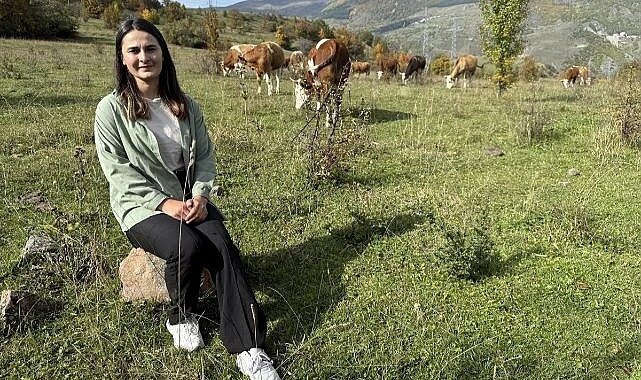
column 205, row 3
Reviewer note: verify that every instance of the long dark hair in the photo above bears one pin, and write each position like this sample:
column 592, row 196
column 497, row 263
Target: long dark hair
column 168, row 87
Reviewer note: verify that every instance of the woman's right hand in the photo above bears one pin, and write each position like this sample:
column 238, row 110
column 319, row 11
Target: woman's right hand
column 174, row 208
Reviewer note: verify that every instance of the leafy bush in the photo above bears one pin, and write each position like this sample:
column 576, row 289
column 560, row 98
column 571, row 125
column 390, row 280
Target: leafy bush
column 185, row 33
column 39, row 18
column 631, row 70
column 529, row 70
column 441, row 65
column 626, row 114
column 111, row 15
column 467, row 253
column 151, row 15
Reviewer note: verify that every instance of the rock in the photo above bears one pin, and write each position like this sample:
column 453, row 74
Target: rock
column 36, row 199
column 143, row 278
column 494, row 151
column 38, row 245
column 17, row 307
column 573, row 172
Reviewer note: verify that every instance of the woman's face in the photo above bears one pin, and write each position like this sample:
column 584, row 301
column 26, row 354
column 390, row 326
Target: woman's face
column 142, row 55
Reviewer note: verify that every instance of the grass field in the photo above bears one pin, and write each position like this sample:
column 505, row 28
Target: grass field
column 350, row 273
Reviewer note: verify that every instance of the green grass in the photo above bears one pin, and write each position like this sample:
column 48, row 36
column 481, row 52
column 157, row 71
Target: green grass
column 348, row 272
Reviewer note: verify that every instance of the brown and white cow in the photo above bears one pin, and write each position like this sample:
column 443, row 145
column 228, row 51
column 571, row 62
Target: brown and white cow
column 387, row 66
column 296, row 63
column 265, row 59
column 230, row 62
column 569, row 76
column 328, row 68
column 584, row 75
column 465, row 66
column 359, row 67
column 415, row 67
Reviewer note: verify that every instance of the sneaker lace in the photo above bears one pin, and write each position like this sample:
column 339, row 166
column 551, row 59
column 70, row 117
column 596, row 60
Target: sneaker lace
column 260, row 361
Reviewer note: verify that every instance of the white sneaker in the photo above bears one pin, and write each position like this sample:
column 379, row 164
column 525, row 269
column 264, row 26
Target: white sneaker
column 257, row 365
column 186, row 334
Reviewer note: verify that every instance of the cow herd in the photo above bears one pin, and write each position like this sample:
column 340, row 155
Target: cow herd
column 322, row 74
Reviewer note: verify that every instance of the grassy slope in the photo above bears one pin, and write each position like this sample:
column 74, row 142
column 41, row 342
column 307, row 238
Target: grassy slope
column 347, row 273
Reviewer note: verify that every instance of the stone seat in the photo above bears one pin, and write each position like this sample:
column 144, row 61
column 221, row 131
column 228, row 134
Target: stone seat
column 143, row 278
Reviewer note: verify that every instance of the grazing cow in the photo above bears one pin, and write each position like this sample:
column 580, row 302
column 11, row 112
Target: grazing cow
column 230, row 61
column 584, row 75
column 360, row 67
column 387, row 66
column 328, row 68
column 466, row 66
column 569, row 76
column 296, row 63
column 416, row 66
column 265, row 58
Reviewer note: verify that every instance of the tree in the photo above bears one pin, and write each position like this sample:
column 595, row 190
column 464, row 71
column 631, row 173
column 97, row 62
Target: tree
column 111, row 15
column 379, row 51
column 502, row 36
column 174, row 11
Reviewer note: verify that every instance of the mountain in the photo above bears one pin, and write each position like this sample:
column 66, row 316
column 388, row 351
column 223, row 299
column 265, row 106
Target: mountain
column 305, row 8
column 600, row 33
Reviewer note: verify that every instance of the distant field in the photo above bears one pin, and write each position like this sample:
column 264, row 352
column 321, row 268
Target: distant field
column 348, row 272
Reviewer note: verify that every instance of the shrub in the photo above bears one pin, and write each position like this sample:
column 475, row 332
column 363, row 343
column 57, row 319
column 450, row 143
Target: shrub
column 532, row 120
column 467, row 253
column 441, row 65
column 185, row 33
column 174, row 11
column 629, row 70
column 44, row 18
column 111, row 15
column 529, row 70
column 151, row 15
column 626, row 114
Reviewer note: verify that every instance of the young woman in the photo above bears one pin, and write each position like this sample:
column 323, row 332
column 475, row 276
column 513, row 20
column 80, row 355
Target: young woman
column 154, row 150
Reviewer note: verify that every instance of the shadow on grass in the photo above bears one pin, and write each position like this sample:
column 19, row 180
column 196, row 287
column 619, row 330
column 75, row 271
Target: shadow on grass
column 377, row 115
column 9, row 101
column 304, row 282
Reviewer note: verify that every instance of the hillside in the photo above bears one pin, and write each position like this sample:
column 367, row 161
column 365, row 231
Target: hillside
column 596, row 32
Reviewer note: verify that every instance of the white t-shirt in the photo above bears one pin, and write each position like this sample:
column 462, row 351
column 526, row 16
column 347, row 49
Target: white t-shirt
column 164, row 125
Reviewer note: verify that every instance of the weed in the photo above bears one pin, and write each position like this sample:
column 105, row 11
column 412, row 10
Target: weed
column 626, row 118
column 468, row 252
column 532, row 120
column 9, row 69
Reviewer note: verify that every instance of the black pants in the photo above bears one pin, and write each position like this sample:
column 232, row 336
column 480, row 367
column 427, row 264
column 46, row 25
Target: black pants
column 204, row 245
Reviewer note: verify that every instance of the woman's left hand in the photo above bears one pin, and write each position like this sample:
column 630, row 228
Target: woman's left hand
column 197, row 207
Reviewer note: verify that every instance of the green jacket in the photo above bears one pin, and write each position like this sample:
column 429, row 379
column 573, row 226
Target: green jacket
column 138, row 179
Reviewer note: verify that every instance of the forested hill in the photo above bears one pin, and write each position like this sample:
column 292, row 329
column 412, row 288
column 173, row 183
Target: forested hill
column 601, row 33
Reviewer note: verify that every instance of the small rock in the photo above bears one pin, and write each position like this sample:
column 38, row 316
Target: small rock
column 573, row 172
column 494, row 151
column 17, row 307
column 143, row 278
column 38, row 245
column 36, row 199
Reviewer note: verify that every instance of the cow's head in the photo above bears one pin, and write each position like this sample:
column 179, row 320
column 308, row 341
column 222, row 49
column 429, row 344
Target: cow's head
column 449, row 81
column 302, row 89
column 403, row 77
column 379, row 74
column 566, row 83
